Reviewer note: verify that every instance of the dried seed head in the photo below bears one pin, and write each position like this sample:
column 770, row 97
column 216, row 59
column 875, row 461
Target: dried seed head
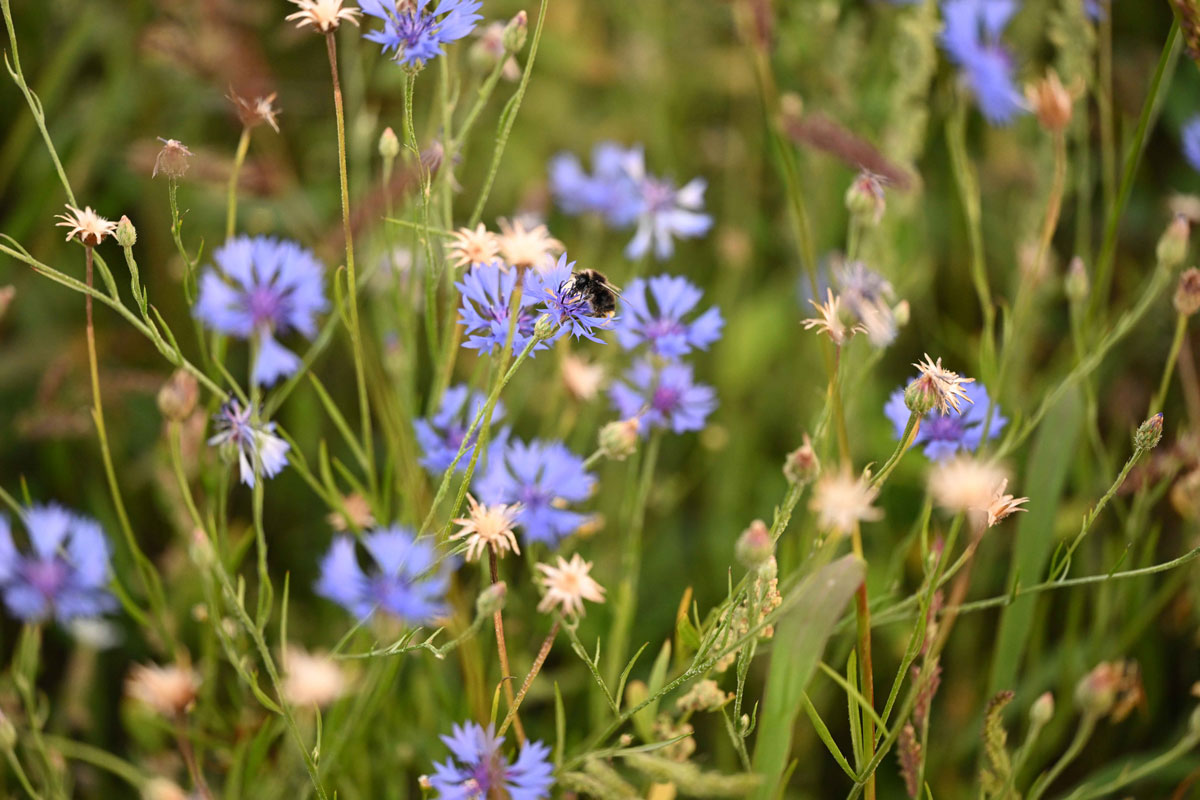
column 478, row 246
column 830, row 321
column 163, row 789
column 527, row 247
column 86, row 225
column 842, row 500
column 567, row 585
column 802, row 464
column 125, row 234
column 1003, row 505
column 259, row 111
column 1051, row 102
column 172, row 159
column 177, row 397
column 619, row 440
column 357, row 514
column 754, row 547
column 168, row 690
column 937, row 387
column 323, row 16
column 488, row 527
column 1149, row 433
column 312, row 679
column 1187, row 292
column 1173, row 244
column 966, row 484
column 583, row 379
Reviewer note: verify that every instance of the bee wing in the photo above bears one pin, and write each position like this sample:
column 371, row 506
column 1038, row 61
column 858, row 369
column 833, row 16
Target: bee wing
column 614, row 289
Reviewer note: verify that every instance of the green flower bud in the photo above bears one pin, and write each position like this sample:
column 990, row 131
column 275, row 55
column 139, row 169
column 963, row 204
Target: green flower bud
column 1173, row 245
column 754, row 547
column 389, row 144
column 618, row 440
column 1075, row 285
column 1149, row 433
column 515, row 32
column 545, row 327
column 1042, row 709
column 125, row 234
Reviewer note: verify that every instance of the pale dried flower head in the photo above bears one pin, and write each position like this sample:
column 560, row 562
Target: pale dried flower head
column 943, row 386
column 583, row 379
column 172, row 159
column 966, row 484
column 704, row 695
column 527, row 247
column 568, row 585
column 312, row 679
column 842, row 500
column 357, row 514
column 168, row 690
column 830, row 322
column 488, row 528
column 259, row 111
column 163, row 789
column 1003, row 505
column 479, row 246
column 323, row 16
column 86, row 225
column 1051, row 102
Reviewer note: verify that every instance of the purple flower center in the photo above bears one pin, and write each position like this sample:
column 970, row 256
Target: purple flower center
column 412, row 26
column 487, row 773
column 945, row 429
column 47, row 576
column 662, row 327
column 265, row 305
column 658, row 195
column 534, row 497
column 665, row 398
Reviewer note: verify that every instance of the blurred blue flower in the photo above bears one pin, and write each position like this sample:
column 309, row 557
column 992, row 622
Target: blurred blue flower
column 662, row 329
column 486, row 297
column 1191, row 141
column 571, row 312
column 478, row 770
column 666, row 211
column 667, row 397
column 416, row 33
column 65, row 575
column 867, row 295
column 1095, row 9
column 263, row 288
column 943, row 436
column 442, row 435
column 405, row 581
column 971, row 38
column 542, row 477
column 609, row 190
column 258, row 448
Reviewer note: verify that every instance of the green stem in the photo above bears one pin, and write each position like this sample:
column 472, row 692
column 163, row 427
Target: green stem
column 1160, row 397
column 1087, row 724
column 231, row 192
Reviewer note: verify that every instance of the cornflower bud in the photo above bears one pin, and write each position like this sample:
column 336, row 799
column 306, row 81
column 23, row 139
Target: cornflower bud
column 1096, row 692
column 491, row 599
column 1042, row 709
column 865, row 200
column 1076, row 283
column 515, row 32
column 1187, row 292
column 618, row 440
column 1051, row 102
column 389, row 144
column 920, row 397
column 754, row 547
column 125, row 234
column 1173, row 245
column 177, row 397
column 544, row 327
column 802, row 464
column 1149, row 433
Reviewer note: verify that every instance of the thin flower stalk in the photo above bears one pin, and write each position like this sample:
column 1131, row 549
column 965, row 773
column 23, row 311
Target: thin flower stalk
column 502, row 651
column 533, row 673
column 235, row 172
column 1156, row 405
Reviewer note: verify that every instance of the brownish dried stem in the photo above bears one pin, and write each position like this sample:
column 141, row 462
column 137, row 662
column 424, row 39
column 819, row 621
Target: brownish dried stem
column 502, row 649
column 533, row 672
column 189, row 757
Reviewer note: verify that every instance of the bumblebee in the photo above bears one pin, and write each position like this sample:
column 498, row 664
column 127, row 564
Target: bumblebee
column 594, row 288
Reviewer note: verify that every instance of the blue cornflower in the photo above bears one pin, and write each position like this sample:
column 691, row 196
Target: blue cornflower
column 416, row 33
column 666, row 397
column 943, row 436
column 441, row 435
column 609, row 190
column 406, row 581
column 663, row 329
column 478, row 770
column 258, row 448
column 971, row 38
column 65, row 575
column 542, row 477
column 1095, row 9
column 1191, row 141
column 571, row 312
column 486, row 297
column 263, row 288
column 666, row 211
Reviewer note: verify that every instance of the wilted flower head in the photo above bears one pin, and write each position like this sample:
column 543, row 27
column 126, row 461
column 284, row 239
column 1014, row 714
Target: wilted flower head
column 663, row 397
column 1003, row 505
column 323, row 16
column 662, row 328
column 355, row 514
column 405, row 581
column 486, row 299
column 478, row 770
column 66, row 573
column 936, row 388
column 258, row 449
column 1187, row 292
column 842, row 500
column 312, row 679
column 543, row 477
column 86, row 225
column 178, row 395
column 830, row 321
column 868, row 296
column 417, row 31
column 567, row 585
column 172, row 159
column 527, row 247
column 168, row 690
column 971, row 37
column 958, row 430
column 965, row 484
column 259, row 111
column 1111, row 688
column 441, row 435
column 163, row 789
column 582, row 378
column 1051, row 102
column 471, row 247
column 261, row 288
column 488, row 527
